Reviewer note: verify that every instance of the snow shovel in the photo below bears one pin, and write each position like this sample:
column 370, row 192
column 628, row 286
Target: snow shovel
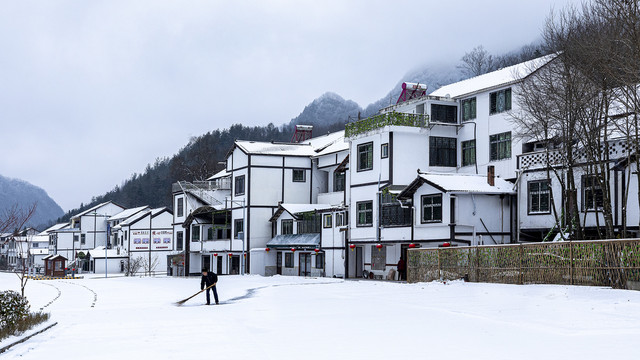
column 181, row 302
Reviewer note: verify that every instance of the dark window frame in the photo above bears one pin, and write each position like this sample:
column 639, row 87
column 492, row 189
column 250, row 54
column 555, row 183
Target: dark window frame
column 327, row 224
column 180, row 207
column 500, row 146
column 195, row 238
column 443, row 151
column 471, row 113
column 299, row 171
column 384, row 151
column 320, row 260
column 444, row 113
column 591, row 185
column 365, row 224
column 289, row 260
column 238, row 225
column 339, row 181
column 179, row 240
column 433, row 206
column 360, row 166
column 468, row 152
column 539, row 193
column 239, row 190
column 494, row 97
column 289, row 223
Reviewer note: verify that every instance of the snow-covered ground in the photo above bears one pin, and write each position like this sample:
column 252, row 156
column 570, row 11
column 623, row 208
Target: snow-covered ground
column 298, row 318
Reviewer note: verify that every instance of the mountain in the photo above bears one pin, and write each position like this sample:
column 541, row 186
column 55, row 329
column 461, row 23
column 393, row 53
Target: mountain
column 328, row 108
column 15, row 191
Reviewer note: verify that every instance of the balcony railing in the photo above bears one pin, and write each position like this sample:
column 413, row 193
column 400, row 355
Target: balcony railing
column 387, row 119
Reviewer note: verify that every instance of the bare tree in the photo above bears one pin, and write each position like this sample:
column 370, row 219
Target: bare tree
column 476, row 62
column 14, row 219
column 132, row 266
column 150, row 267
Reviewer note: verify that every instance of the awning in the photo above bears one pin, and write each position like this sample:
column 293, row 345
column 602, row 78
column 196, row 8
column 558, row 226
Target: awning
column 295, row 240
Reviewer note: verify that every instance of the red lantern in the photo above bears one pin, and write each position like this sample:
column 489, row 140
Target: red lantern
column 245, row 255
column 316, row 250
column 215, row 254
column 446, row 244
column 379, row 247
column 267, row 249
column 352, row 247
column 412, row 245
column 230, row 255
column 293, row 250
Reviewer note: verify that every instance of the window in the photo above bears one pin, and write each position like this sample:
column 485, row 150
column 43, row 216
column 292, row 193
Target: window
column 195, row 232
column 500, row 101
column 378, row 258
column 468, row 109
column 500, row 146
column 365, row 156
column 592, row 196
column 392, row 214
column 179, row 240
column 286, row 227
column 327, row 221
column 76, row 238
column 444, row 113
column 468, row 152
column 83, row 238
column 339, row 219
column 299, row 175
column 539, row 197
column 238, row 226
column 338, row 181
column 365, row 213
column 180, row 207
column 442, row 151
column 431, row 208
column 221, row 234
column 311, row 223
column 209, row 234
column 239, row 185
column 319, row 261
column 288, row 260
column 384, row 151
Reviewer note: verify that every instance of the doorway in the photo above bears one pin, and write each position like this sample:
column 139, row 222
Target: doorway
column 235, row 265
column 219, row 264
column 359, row 262
column 206, row 262
column 305, row 264
column 279, row 263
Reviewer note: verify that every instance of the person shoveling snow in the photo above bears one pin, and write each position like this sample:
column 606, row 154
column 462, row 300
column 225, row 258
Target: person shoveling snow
column 209, row 280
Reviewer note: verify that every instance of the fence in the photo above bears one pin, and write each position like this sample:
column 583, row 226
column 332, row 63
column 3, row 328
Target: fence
column 614, row 263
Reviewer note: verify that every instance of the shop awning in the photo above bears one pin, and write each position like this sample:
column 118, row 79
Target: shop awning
column 295, row 240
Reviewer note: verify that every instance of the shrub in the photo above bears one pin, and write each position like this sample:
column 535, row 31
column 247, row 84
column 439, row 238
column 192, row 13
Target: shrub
column 13, row 309
column 15, row 317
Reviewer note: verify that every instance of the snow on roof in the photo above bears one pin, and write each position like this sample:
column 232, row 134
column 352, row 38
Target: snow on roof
column 220, row 174
column 467, row 183
column 53, row 228
column 311, row 147
column 139, row 215
column 493, row 79
column 93, row 209
column 98, row 253
column 127, row 213
column 292, row 240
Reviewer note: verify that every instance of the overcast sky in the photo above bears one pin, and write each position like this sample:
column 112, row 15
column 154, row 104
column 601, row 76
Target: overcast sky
column 92, row 91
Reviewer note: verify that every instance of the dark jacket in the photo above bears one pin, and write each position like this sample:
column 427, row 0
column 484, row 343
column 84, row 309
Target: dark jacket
column 208, row 280
column 402, row 266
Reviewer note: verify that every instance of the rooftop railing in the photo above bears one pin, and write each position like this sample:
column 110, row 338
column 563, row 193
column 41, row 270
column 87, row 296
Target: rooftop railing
column 386, row 119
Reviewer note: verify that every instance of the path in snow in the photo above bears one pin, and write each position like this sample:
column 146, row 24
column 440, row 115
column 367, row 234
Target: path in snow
column 274, row 318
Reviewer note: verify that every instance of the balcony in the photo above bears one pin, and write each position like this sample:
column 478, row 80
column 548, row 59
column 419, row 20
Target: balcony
column 218, row 184
column 332, row 198
column 387, row 119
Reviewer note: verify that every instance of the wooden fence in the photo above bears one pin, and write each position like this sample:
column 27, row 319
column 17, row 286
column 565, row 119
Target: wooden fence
column 614, row 263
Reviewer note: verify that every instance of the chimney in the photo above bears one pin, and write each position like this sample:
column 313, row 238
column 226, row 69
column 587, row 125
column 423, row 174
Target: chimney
column 491, row 175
